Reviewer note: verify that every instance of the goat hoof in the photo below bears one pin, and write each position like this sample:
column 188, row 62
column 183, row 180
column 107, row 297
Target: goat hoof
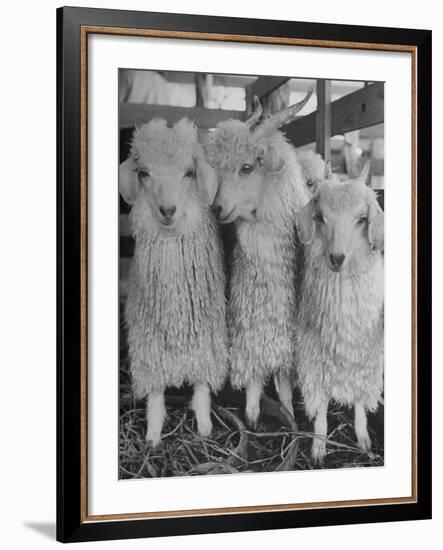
column 252, row 424
column 204, row 427
column 318, row 452
column 152, row 441
column 364, row 443
column 252, row 415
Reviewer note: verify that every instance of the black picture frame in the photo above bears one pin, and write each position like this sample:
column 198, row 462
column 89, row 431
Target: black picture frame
column 71, row 523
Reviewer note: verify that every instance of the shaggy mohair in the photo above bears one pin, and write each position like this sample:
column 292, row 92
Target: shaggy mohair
column 175, row 310
column 261, row 309
column 155, row 139
column 340, row 319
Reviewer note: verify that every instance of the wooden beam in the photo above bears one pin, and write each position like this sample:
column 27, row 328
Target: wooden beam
column 358, row 110
column 302, row 130
column 264, row 85
column 234, row 81
column 339, row 87
column 355, row 111
column 139, row 113
column 323, row 119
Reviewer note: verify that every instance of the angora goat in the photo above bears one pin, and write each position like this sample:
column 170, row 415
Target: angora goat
column 175, row 311
column 312, row 168
column 341, row 339
column 260, row 187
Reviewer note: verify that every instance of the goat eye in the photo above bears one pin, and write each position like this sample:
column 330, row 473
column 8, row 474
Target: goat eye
column 319, row 217
column 362, row 219
column 142, row 173
column 309, row 183
column 190, row 173
column 246, row 168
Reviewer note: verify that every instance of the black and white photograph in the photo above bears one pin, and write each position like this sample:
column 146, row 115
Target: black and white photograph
column 251, row 273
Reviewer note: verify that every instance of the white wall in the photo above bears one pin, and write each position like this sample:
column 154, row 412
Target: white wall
column 27, row 299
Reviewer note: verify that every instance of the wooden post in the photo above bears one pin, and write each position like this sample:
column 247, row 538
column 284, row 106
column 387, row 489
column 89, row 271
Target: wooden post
column 199, row 89
column 323, row 119
column 249, row 100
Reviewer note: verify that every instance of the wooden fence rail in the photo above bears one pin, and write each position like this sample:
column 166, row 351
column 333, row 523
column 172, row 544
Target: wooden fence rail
column 355, row 111
column 139, row 113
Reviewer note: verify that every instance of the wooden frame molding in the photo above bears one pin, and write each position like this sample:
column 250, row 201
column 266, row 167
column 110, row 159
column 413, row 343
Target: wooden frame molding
column 292, row 129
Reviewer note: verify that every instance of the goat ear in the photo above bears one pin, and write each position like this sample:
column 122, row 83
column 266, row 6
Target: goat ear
column 272, row 161
column 206, row 178
column 128, row 180
column 376, row 226
column 305, row 222
column 364, row 174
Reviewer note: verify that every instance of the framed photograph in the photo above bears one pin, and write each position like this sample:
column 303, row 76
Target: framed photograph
column 244, row 274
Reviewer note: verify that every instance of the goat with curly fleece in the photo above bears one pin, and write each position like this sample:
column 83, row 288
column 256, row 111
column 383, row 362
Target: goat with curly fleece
column 175, row 310
column 312, row 168
column 340, row 317
column 261, row 188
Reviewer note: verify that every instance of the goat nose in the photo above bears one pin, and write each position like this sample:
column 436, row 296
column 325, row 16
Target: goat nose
column 216, row 208
column 167, row 212
column 337, row 260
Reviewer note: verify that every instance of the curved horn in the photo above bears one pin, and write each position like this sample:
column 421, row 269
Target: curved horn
column 282, row 118
column 327, row 171
column 364, row 174
column 256, row 115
